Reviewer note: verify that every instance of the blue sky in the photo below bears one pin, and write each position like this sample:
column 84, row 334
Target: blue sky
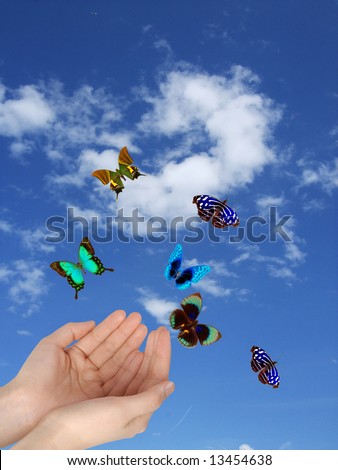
column 235, row 99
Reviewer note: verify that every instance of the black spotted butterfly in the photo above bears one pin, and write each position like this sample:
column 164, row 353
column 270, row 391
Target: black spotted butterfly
column 186, row 321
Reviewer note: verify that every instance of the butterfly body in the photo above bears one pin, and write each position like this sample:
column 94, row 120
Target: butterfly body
column 191, row 332
column 184, row 278
column 220, row 214
column 262, row 363
column 114, row 178
column 74, row 271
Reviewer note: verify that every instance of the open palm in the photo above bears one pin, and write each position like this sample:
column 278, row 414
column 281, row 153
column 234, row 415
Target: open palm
column 104, row 361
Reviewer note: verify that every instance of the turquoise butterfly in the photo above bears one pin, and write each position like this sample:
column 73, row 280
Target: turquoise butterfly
column 74, row 272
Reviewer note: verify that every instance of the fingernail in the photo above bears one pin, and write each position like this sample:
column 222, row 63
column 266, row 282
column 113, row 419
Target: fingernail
column 169, row 388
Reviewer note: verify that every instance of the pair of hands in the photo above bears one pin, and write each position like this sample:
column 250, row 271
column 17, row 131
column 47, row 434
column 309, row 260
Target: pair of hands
column 99, row 389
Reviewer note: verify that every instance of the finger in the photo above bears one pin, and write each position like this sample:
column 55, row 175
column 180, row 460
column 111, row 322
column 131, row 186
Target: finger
column 111, row 367
column 143, row 371
column 148, row 401
column 70, row 332
column 160, row 359
column 117, row 386
column 101, row 332
column 109, row 347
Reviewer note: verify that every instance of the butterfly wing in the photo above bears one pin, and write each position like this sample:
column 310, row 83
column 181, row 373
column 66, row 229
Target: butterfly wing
column 191, row 275
column 262, row 363
column 87, row 259
column 260, row 359
column 178, row 319
column 104, row 176
column 125, row 165
column 72, row 272
column 112, row 177
column 224, row 216
column 174, row 263
column 221, row 215
column 124, row 157
column 207, row 334
column 188, row 337
column 192, row 305
column 206, row 205
column 273, row 377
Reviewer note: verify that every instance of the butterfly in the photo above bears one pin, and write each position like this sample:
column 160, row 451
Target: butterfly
column 262, row 363
column 74, row 272
column 186, row 321
column 183, row 278
column 221, row 215
column 126, row 169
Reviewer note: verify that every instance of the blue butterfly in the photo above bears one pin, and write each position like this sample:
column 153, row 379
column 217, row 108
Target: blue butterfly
column 183, row 278
column 221, row 215
column 262, row 363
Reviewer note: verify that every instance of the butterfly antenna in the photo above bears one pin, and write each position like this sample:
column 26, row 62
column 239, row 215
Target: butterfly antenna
column 225, row 200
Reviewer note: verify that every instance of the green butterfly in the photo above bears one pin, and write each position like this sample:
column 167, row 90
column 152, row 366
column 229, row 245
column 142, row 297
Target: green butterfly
column 74, row 272
column 126, row 169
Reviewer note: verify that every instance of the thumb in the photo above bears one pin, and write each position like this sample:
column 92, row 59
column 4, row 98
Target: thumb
column 70, row 332
column 149, row 400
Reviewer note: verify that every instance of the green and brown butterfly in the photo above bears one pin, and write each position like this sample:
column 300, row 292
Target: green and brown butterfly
column 74, row 271
column 126, row 169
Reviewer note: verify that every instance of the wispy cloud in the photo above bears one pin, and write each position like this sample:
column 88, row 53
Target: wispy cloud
column 245, row 447
column 321, row 174
column 282, row 272
column 31, row 239
column 24, row 333
column 27, row 284
column 156, row 306
column 276, row 266
column 264, row 202
column 5, row 226
column 64, row 121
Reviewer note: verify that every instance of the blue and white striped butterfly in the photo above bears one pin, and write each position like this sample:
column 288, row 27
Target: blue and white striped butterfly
column 262, row 363
column 183, row 278
column 221, row 215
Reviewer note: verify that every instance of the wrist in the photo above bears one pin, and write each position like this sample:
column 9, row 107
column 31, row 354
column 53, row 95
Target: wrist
column 16, row 417
column 51, row 433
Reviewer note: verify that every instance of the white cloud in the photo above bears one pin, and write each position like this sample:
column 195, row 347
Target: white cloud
column 283, row 272
column 64, row 121
column 34, row 240
column 5, row 226
column 27, row 284
column 294, row 253
column 313, row 205
column 156, row 306
column 5, row 272
column 24, row 333
column 214, row 287
column 264, row 202
column 234, row 123
column 252, row 252
column 323, row 174
column 245, row 447
column 31, row 239
column 191, row 109
column 25, row 111
column 277, row 267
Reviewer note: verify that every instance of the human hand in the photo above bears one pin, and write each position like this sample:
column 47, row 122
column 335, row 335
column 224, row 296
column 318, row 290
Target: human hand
column 132, row 398
column 53, row 376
